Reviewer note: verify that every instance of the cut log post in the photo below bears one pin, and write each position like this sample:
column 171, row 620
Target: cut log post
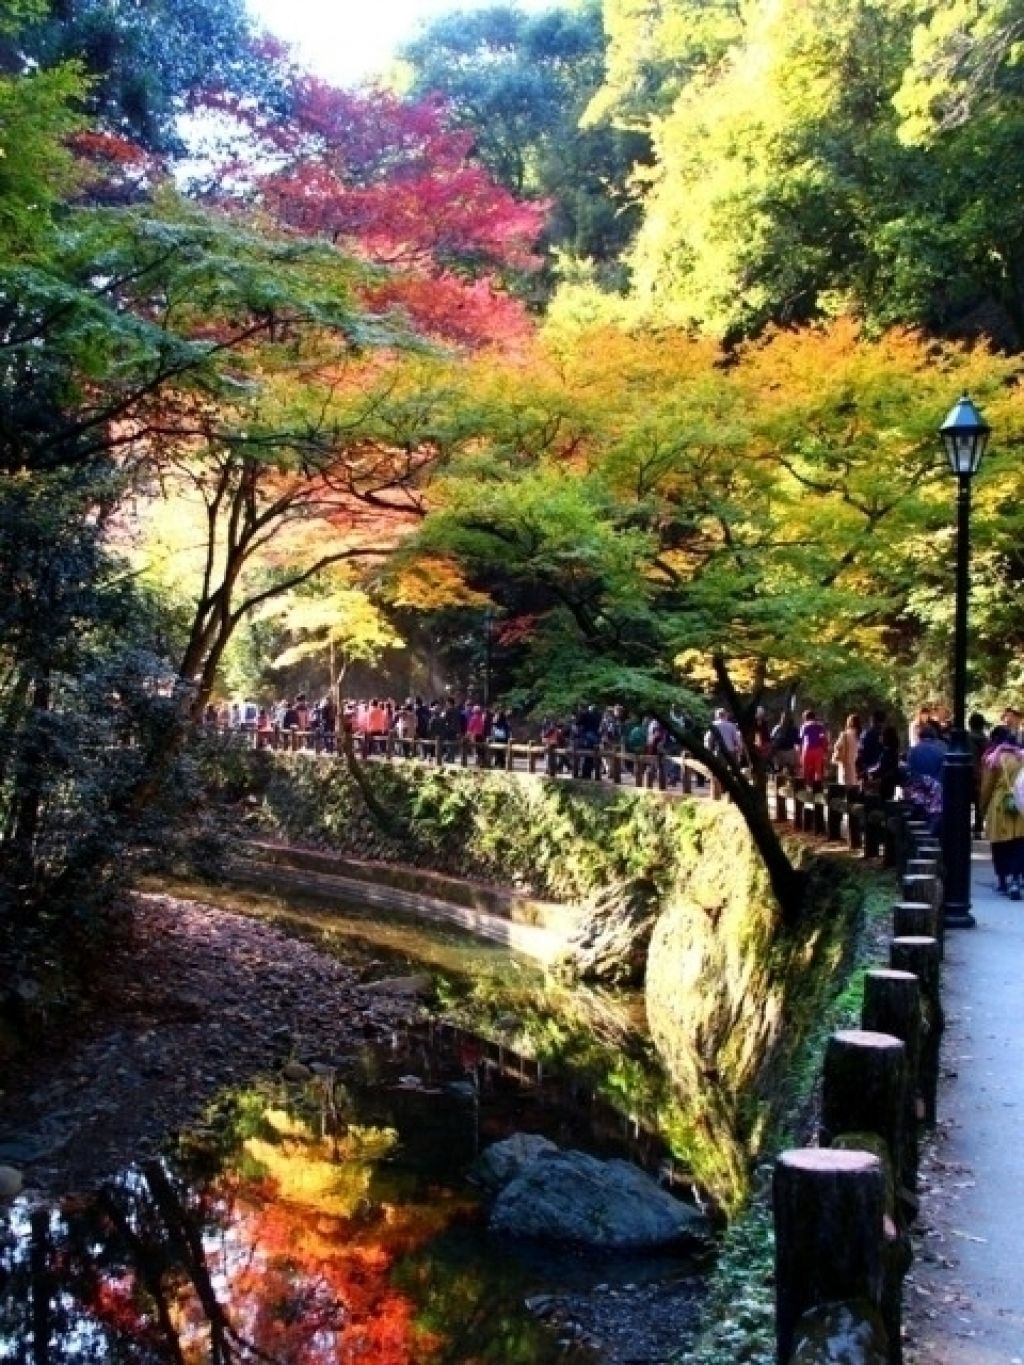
column 896, row 840
column 820, row 824
column 930, row 848
column 892, row 1004
column 837, row 802
column 829, row 1211
column 855, row 826
column 781, row 809
column 918, row 886
column 798, row 807
column 873, row 826
column 914, row 919
column 922, row 866
column 864, row 1089
column 920, row 954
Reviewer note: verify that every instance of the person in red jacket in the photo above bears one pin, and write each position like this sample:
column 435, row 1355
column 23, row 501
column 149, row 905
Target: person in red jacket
column 813, row 748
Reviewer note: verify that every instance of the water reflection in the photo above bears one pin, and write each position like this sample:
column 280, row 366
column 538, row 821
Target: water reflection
column 291, row 1227
column 329, row 1221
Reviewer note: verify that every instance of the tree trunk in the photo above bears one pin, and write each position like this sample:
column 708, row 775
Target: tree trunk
column 380, row 813
column 788, row 883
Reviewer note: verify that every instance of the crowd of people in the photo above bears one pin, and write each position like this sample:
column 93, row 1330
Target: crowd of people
column 416, row 727
column 867, row 756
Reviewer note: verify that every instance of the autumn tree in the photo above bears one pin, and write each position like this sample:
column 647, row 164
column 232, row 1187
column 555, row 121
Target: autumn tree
column 520, row 83
column 676, row 527
column 389, row 181
column 811, row 159
column 145, row 63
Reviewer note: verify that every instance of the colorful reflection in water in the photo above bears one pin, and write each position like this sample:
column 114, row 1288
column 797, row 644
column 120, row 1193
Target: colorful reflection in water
column 330, row 1223
column 267, row 1239
column 280, row 1232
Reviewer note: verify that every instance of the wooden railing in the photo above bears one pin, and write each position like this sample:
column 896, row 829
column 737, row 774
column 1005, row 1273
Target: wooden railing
column 844, row 1208
column 618, row 766
column 830, row 811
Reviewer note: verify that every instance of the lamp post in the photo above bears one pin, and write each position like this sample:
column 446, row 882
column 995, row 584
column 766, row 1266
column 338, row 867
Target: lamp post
column 964, row 435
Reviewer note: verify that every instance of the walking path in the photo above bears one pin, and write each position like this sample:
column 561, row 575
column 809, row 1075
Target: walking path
column 965, row 1296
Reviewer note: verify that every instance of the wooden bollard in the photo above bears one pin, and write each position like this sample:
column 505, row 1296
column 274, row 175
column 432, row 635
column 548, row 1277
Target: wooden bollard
column 927, row 886
column 922, row 886
column 864, row 1089
column 892, row 1004
column 923, row 865
column 926, row 867
column 929, row 848
column 914, row 919
column 855, row 826
column 872, row 826
column 819, row 824
column 798, row 807
column 836, row 794
column 920, row 954
column 829, row 1210
column 897, row 842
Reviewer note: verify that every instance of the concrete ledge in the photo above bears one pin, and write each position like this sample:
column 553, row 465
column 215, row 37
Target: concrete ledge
column 537, row 929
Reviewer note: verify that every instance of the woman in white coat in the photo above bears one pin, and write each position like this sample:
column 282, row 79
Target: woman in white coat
column 844, row 751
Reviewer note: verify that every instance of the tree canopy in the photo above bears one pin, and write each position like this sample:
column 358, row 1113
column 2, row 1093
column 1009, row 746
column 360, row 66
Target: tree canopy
column 316, row 375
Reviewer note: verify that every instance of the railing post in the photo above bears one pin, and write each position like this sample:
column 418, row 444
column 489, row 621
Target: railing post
column 920, row 954
column 836, row 797
column 892, row 1004
column 829, row 1218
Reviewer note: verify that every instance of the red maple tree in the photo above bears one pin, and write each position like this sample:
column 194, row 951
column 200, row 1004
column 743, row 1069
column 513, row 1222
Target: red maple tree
column 390, row 182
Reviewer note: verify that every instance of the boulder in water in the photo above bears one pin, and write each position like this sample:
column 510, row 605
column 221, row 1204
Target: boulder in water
column 609, row 1205
column 499, row 1164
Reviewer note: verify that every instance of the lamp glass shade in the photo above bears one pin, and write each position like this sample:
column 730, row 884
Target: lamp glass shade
column 964, row 435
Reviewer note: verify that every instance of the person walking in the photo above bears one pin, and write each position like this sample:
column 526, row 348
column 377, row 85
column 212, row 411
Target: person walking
column 886, row 773
column 785, row 746
column 845, row 750
column 977, row 741
column 813, row 749
column 724, row 737
column 1002, row 807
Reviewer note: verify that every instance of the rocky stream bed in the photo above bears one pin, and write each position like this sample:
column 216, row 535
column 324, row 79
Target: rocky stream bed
column 198, row 999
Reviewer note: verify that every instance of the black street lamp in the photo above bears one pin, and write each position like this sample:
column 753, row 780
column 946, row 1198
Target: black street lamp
column 964, row 435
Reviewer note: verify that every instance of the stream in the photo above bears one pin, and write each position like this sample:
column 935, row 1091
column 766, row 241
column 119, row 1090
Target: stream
column 329, row 1217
